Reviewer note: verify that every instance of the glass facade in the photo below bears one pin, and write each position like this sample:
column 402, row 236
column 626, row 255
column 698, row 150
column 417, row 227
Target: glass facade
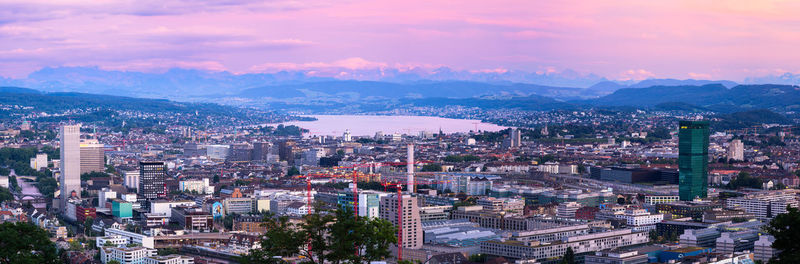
column 693, row 159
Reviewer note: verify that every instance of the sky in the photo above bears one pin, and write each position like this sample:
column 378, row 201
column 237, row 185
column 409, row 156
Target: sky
column 620, row 40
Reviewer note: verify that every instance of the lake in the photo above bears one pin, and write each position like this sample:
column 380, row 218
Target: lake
column 368, row 125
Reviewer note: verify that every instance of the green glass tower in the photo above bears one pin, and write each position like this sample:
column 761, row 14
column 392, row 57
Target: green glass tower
column 693, row 159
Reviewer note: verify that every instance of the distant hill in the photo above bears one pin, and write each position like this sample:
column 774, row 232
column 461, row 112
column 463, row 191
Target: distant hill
column 18, row 90
column 676, row 82
column 84, row 105
column 712, row 96
column 748, row 119
column 533, row 102
column 356, row 90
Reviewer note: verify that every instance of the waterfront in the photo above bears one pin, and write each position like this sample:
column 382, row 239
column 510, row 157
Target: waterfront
column 368, row 125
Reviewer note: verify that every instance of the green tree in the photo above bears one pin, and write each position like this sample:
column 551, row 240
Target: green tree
column 293, row 171
column 26, row 243
column 5, row 195
column 569, row 257
column 333, row 238
column 432, row 167
column 784, row 227
column 282, row 239
column 87, row 226
column 112, row 262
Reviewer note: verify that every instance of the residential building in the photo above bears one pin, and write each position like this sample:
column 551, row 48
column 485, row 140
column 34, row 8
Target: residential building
column 762, row 248
column 736, row 150
column 126, row 255
column 765, row 205
column 411, row 222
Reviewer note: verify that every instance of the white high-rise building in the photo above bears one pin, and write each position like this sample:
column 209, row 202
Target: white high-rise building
column 70, row 163
column 736, row 150
column 347, row 137
column 410, row 169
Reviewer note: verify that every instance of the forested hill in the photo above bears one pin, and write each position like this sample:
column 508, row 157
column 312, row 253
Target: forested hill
column 31, row 104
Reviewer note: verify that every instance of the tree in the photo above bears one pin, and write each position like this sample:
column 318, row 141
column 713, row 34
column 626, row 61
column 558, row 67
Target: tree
column 784, row 228
column 432, row 167
column 292, row 171
column 333, row 238
column 26, row 243
column 87, row 226
column 5, row 195
column 569, row 257
column 112, row 262
column 281, row 239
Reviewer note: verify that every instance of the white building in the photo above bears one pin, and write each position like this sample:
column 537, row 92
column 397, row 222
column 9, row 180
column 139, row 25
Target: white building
column 763, row 249
column 736, row 150
column 198, row 186
column 219, row 152
column 39, row 162
column 124, row 255
column 104, row 195
column 169, row 259
column 660, row 199
column 132, row 238
column 765, row 205
column 346, row 136
column 114, row 241
column 165, row 207
column 131, row 180
column 641, row 220
column 567, row 210
column 70, row 163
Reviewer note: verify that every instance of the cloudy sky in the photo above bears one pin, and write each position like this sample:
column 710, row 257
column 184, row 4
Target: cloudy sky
column 616, row 39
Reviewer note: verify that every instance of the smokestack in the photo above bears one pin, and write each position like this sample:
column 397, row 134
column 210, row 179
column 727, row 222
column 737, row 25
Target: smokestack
column 410, row 168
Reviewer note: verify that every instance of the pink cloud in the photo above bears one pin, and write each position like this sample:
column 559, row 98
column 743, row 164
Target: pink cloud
column 674, row 38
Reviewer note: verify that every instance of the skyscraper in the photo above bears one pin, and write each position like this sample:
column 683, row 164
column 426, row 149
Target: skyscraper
column 736, row 150
column 411, row 221
column 70, row 163
column 516, row 138
column 152, row 178
column 93, row 156
column 693, row 159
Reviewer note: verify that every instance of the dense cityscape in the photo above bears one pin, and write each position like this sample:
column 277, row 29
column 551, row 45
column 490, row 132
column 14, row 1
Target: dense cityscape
column 666, row 189
column 399, row 132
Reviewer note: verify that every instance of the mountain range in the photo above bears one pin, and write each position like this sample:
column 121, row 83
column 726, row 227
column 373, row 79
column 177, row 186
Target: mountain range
column 193, row 84
column 296, row 90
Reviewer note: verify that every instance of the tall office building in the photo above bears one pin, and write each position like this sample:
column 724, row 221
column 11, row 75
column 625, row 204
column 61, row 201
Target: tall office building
column 516, row 138
column 412, row 223
column 693, row 159
column 285, row 151
column 152, row 178
column 93, row 156
column 70, row 164
column 736, row 150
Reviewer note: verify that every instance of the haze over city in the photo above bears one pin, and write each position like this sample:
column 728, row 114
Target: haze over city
column 383, row 132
